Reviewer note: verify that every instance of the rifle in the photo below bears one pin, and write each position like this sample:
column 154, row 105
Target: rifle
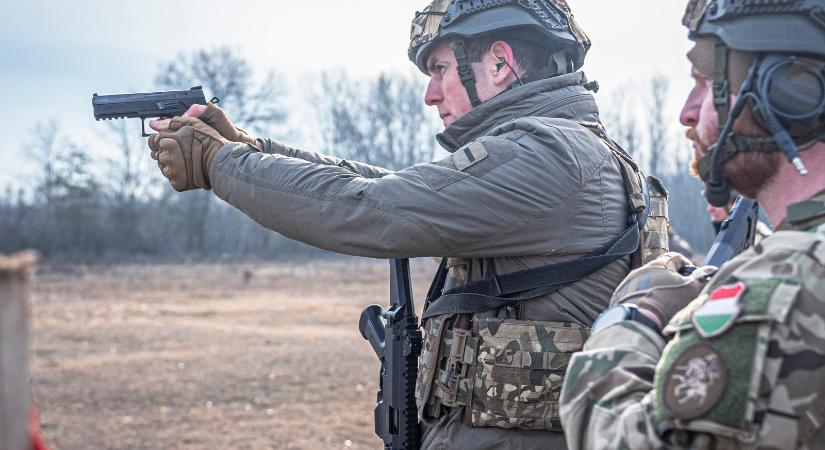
column 736, row 234
column 393, row 334
column 147, row 104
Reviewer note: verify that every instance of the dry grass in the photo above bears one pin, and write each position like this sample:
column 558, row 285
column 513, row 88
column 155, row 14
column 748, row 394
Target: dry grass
column 208, row 356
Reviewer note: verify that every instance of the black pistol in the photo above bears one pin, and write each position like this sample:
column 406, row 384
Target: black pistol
column 736, row 234
column 396, row 339
column 147, row 105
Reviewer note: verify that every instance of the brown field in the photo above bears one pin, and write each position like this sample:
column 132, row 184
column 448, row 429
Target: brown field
column 208, row 356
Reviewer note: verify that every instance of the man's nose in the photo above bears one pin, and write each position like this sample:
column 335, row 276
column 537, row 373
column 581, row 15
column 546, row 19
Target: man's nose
column 689, row 116
column 433, row 94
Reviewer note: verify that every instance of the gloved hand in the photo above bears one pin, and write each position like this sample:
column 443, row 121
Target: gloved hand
column 185, row 152
column 216, row 118
column 657, row 288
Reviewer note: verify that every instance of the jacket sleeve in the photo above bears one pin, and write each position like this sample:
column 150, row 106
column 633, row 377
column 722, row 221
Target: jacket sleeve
column 606, row 400
column 362, row 169
column 499, row 204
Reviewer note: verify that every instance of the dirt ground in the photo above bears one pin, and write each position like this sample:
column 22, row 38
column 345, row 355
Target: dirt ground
column 208, row 356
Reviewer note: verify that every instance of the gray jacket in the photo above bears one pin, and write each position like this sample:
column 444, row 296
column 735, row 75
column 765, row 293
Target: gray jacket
column 541, row 189
column 525, row 186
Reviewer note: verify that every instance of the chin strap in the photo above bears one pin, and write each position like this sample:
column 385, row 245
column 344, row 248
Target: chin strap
column 558, row 64
column 465, row 72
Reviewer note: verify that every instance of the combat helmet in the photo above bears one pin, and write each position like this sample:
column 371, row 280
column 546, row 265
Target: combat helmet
column 547, row 23
column 785, row 86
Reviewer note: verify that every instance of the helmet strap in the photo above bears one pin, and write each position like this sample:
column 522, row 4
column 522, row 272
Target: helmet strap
column 465, row 72
column 721, row 84
column 717, row 188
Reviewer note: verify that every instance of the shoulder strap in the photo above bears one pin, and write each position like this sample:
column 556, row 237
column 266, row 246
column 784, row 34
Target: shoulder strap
column 497, row 291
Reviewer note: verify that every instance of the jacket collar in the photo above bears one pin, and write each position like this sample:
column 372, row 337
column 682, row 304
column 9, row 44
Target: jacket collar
column 564, row 96
column 806, row 215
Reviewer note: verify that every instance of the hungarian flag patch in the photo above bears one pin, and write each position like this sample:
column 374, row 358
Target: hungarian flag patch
column 719, row 311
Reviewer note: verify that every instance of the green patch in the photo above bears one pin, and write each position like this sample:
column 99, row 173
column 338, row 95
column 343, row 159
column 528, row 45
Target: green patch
column 757, row 299
column 738, row 349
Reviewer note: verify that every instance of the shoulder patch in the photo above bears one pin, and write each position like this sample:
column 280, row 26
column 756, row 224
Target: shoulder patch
column 469, row 155
column 695, row 382
column 719, row 311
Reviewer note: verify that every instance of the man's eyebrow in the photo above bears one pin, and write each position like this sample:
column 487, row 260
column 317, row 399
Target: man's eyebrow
column 432, row 62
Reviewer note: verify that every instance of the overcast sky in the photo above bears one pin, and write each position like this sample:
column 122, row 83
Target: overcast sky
column 56, row 54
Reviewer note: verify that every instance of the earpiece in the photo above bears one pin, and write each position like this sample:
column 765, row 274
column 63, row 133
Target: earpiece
column 498, row 66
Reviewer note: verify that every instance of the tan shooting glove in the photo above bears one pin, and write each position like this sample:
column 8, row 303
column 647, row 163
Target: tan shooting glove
column 657, row 287
column 185, row 151
column 216, row 118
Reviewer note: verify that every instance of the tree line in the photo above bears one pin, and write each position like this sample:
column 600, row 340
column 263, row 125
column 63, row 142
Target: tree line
column 71, row 211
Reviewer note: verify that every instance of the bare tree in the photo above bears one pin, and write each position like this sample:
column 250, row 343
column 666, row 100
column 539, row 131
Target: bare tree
column 382, row 121
column 42, row 149
column 225, row 73
column 229, row 76
column 66, row 190
column 657, row 126
column 620, row 120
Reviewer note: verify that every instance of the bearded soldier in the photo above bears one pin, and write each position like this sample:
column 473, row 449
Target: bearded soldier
column 536, row 213
column 745, row 363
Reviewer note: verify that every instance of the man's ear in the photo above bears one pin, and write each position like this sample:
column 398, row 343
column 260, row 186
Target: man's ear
column 505, row 65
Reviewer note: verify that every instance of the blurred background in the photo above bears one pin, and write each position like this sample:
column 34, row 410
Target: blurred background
column 327, row 76
column 230, row 335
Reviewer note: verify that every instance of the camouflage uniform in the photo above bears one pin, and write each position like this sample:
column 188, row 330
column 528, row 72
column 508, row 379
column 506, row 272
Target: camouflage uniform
column 751, row 377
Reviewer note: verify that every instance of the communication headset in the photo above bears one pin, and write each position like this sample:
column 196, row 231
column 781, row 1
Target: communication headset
column 787, row 96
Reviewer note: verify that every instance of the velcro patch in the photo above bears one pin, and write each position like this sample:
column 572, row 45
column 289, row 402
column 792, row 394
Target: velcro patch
column 720, row 310
column 468, row 155
column 695, row 382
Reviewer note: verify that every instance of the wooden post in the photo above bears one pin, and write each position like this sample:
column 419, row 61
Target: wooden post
column 15, row 271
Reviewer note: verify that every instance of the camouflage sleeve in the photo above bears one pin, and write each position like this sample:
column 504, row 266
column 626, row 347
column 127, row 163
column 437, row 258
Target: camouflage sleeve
column 365, row 170
column 605, row 399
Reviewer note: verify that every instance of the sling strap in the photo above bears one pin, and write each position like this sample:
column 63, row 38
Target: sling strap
column 496, row 291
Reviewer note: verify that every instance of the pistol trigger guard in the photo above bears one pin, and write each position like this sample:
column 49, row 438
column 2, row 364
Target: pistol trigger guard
column 143, row 132
column 214, row 100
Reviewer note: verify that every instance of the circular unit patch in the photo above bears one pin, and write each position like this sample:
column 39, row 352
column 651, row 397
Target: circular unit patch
column 695, row 382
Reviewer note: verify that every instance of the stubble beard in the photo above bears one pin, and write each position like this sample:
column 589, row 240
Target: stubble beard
column 747, row 172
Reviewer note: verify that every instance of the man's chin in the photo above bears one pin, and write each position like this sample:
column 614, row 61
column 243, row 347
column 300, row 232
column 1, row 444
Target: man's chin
column 747, row 173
